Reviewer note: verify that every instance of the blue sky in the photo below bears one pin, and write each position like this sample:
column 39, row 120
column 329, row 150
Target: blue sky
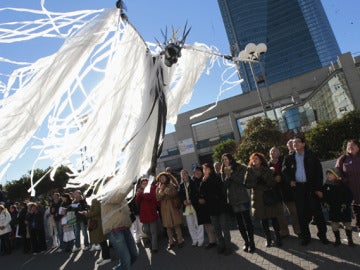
column 149, row 17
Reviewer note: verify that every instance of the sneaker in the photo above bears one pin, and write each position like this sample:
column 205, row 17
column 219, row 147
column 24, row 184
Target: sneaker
column 97, row 247
column 86, row 248
column 93, row 248
column 104, row 262
column 99, row 260
column 75, row 249
column 59, row 250
column 170, row 246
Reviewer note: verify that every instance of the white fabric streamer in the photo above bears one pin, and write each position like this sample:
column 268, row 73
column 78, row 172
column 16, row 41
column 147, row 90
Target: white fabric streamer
column 110, row 122
column 98, row 95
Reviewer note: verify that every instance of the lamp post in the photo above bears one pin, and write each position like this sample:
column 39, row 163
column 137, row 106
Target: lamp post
column 252, row 53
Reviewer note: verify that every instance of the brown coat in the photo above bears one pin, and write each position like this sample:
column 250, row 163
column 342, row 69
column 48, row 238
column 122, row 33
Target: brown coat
column 260, row 180
column 170, row 210
column 96, row 236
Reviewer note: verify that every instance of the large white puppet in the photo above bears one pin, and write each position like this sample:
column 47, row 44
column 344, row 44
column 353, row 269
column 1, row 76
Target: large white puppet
column 116, row 122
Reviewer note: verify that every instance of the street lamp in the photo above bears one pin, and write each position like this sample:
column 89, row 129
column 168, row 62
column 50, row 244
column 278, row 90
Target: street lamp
column 252, row 53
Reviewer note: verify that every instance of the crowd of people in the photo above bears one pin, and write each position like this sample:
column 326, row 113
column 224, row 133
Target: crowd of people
column 287, row 186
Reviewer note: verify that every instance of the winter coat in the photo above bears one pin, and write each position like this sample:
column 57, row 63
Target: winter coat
column 237, row 193
column 212, row 190
column 313, row 171
column 259, row 180
column 147, row 205
column 96, row 235
column 283, row 187
column 338, row 198
column 350, row 173
column 5, row 219
column 115, row 214
column 192, row 191
column 169, row 205
column 54, row 210
column 20, row 221
column 79, row 206
column 35, row 221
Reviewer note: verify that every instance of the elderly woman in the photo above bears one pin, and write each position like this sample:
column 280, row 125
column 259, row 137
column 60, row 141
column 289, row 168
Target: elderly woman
column 349, row 166
column 170, row 204
column 260, row 178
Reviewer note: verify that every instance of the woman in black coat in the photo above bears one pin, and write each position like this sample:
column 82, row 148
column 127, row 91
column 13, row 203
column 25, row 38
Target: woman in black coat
column 212, row 193
column 202, row 210
column 233, row 176
column 266, row 204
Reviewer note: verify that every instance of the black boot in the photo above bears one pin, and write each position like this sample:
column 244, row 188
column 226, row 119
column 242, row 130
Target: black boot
column 337, row 238
column 265, row 224
column 349, row 238
column 268, row 240
column 246, row 239
column 251, row 242
column 278, row 242
column 276, row 227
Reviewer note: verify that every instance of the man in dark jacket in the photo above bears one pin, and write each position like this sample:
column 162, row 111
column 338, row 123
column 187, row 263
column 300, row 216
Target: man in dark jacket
column 303, row 171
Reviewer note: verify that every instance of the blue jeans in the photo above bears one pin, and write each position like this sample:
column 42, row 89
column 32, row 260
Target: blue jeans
column 60, row 233
column 83, row 228
column 124, row 247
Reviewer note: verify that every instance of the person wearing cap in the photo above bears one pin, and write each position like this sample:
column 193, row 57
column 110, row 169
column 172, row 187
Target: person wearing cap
column 170, row 204
column 338, row 198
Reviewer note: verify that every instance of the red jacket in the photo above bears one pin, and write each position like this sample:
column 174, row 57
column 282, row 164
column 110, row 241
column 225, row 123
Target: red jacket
column 148, row 205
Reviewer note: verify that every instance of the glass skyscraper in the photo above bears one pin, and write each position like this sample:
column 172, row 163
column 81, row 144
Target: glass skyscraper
column 297, row 33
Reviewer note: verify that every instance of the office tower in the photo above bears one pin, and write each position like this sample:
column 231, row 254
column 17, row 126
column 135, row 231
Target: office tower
column 297, row 33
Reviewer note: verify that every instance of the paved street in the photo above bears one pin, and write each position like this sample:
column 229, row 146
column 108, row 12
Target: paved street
column 290, row 256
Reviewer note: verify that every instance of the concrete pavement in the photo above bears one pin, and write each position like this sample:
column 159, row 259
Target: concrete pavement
column 290, row 256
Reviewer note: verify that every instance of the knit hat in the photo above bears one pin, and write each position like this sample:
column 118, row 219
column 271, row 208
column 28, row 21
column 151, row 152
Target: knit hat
column 334, row 171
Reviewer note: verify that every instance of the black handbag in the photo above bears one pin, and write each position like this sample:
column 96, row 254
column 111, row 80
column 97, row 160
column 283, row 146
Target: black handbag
column 270, row 197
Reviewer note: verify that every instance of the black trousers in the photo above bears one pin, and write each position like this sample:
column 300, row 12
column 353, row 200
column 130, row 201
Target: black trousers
column 105, row 252
column 356, row 211
column 308, row 206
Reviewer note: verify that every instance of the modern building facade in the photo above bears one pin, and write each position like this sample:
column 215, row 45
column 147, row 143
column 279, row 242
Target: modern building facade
column 302, row 101
column 297, row 33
